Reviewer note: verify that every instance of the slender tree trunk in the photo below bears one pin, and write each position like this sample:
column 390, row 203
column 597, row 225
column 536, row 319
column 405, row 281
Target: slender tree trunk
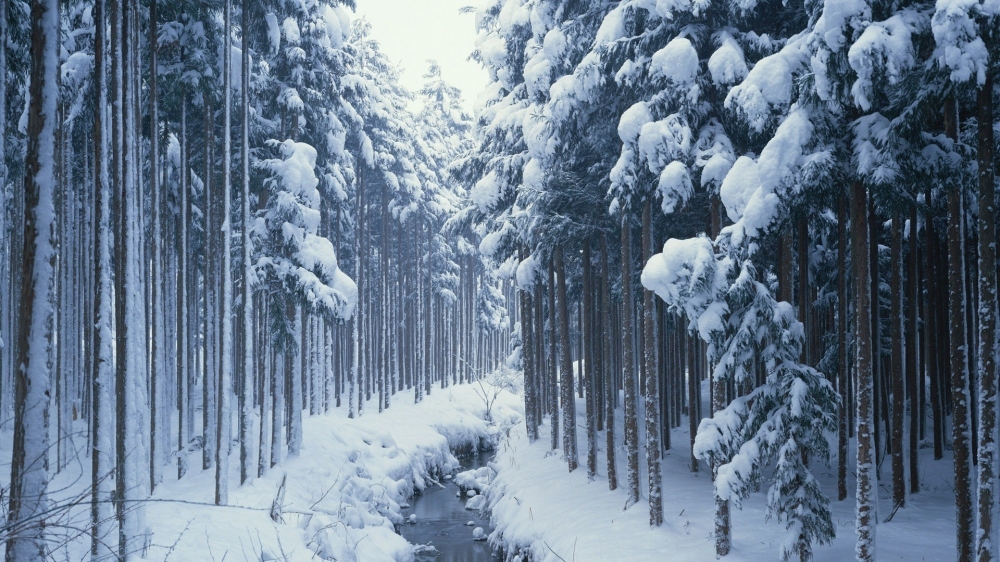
column 609, row 380
column 987, row 326
column 552, row 381
column 528, row 359
column 652, row 393
column 959, row 362
column 931, row 324
column 568, row 400
column 896, row 333
column 628, row 367
column 843, row 360
column 102, row 459
column 156, row 389
column 866, row 480
column 223, row 434
column 245, row 317
column 913, row 378
column 590, row 352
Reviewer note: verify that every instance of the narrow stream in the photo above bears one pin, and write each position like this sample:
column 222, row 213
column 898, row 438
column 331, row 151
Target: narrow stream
column 442, row 521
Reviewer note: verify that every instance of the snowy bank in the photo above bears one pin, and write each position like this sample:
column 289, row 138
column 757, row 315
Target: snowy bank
column 343, row 494
column 341, row 497
column 541, row 513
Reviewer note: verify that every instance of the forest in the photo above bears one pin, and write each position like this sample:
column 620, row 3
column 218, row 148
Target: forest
column 729, row 258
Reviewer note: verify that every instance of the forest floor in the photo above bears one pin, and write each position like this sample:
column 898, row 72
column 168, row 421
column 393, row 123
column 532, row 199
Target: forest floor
column 540, row 508
column 342, row 497
column 345, row 493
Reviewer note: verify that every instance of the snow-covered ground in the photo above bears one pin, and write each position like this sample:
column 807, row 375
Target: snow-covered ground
column 540, row 508
column 342, row 495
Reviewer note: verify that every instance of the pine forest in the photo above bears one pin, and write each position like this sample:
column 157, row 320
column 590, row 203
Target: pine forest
column 518, row 281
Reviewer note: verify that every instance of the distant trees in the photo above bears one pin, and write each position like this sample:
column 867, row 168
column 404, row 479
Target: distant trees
column 161, row 271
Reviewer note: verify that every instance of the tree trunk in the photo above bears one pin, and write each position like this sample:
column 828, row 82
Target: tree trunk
column 553, row 363
column 568, row 398
column 29, row 467
column 628, row 368
column 896, row 333
column 843, row 360
column 609, row 380
column 959, row 363
column 987, row 326
column 245, row 317
column 589, row 353
column 528, row 359
column 913, row 378
column 931, row 328
column 866, row 481
column 652, row 393
column 223, row 435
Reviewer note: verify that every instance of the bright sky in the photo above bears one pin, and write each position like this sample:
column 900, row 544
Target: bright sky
column 413, row 31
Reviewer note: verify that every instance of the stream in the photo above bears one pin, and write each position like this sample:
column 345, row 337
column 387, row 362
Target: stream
column 442, row 521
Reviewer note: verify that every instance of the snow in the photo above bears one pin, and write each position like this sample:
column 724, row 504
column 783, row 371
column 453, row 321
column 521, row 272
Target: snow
column 486, row 192
column 674, row 186
column 612, row 27
column 527, row 273
column 727, row 64
column 273, row 31
column 686, row 275
column 738, row 186
column 677, row 61
column 541, row 511
column 554, row 45
column 343, row 494
column 770, row 82
column 959, row 48
column 290, row 29
column 752, row 191
column 661, row 142
column 632, row 121
column 884, row 44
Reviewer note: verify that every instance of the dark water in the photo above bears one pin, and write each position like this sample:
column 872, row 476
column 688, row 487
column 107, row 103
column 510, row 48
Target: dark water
column 442, row 518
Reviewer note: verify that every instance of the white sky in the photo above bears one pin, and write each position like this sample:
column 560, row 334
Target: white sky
column 413, row 31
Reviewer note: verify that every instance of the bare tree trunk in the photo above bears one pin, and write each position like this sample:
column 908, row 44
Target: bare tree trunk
column 959, row 362
column 987, row 326
column 245, row 317
column 896, row 333
column 589, row 353
column 29, row 478
column 866, row 480
column 652, row 393
column 932, row 322
column 913, row 377
column 553, row 363
column 843, row 360
column 528, row 359
column 628, row 368
column 609, row 379
column 568, row 400
column 223, row 435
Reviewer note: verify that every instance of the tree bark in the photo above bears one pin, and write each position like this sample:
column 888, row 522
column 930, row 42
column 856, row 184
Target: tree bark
column 609, row 380
column 897, row 373
column 628, row 367
column 29, row 502
column 568, row 400
column 987, row 326
column 959, row 360
column 652, row 393
column 866, row 480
